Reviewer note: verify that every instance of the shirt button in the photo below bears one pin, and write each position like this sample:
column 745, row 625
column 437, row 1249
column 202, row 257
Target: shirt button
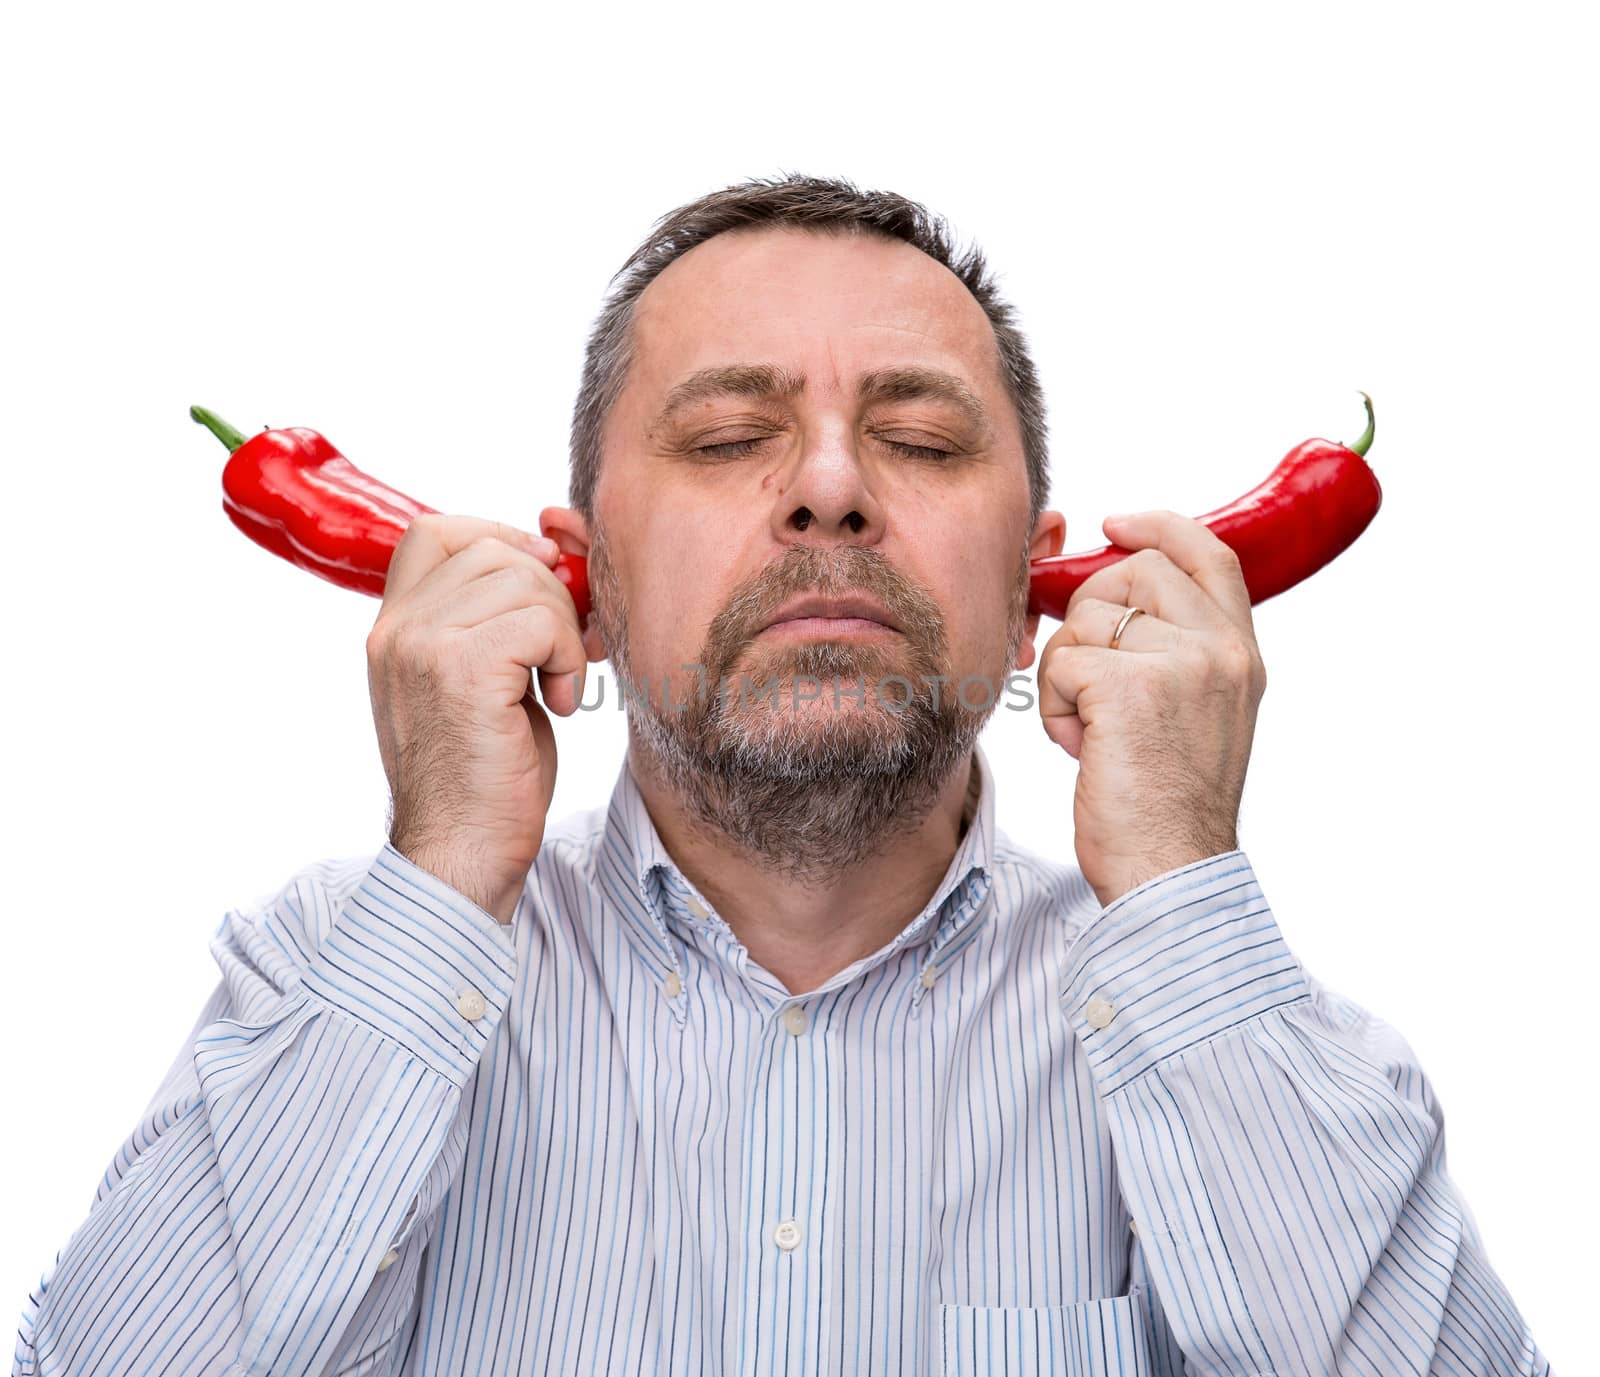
column 794, row 1019
column 673, row 984
column 787, row 1235
column 1099, row 1013
column 928, row 977
column 1133, row 1228
column 387, row 1260
column 471, row 1004
column 697, row 908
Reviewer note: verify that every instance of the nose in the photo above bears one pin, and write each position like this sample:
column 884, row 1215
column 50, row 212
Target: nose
column 826, row 496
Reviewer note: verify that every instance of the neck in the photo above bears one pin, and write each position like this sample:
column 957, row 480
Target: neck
column 801, row 931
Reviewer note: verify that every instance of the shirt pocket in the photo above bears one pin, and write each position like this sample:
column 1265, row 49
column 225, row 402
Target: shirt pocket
column 1097, row 1338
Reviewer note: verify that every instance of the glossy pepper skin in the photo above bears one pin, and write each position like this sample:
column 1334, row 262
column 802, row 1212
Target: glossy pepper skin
column 1308, row 510
column 294, row 493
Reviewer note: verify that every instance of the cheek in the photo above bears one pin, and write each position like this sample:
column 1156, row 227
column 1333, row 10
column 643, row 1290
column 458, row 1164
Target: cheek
column 978, row 644
column 671, row 606
column 661, row 634
column 968, row 574
column 670, row 583
column 977, row 587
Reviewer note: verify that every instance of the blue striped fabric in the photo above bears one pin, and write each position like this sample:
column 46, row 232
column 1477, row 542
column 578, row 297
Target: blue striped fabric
column 1030, row 1135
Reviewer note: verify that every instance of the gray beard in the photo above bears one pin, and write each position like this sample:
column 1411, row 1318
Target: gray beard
column 805, row 790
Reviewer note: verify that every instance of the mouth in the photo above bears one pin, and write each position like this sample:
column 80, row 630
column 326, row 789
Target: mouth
column 853, row 617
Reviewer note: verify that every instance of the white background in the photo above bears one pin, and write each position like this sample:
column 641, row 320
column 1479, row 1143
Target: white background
column 395, row 225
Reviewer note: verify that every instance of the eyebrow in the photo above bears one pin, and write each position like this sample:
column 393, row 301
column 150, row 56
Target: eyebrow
column 770, row 381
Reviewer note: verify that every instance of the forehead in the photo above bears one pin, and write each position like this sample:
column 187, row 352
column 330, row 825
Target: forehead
column 790, row 293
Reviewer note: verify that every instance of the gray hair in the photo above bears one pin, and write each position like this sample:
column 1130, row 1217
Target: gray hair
column 823, row 205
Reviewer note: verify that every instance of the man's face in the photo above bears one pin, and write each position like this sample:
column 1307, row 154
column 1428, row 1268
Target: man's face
column 720, row 506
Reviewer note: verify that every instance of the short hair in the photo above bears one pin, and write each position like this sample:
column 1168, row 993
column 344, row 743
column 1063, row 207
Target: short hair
column 822, row 205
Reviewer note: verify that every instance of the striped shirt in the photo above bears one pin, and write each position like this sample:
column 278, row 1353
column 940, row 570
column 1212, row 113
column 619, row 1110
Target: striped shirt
column 1029, row 1135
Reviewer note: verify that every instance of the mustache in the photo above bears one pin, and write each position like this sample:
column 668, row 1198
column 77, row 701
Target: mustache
column 829, row 573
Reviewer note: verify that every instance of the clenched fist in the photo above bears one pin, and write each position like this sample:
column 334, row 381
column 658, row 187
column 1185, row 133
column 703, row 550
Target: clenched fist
column 1162, row 726
column 470, row 609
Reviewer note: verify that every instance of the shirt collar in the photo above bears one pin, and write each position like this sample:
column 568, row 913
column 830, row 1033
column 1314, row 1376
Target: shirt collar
column 661, row 908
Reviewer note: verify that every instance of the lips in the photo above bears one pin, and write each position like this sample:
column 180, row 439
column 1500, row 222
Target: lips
column 849, row 605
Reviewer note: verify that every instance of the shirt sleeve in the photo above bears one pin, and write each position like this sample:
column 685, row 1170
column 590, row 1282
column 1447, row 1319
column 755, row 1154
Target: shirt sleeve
column 269, row 1212
column 1280, row 1150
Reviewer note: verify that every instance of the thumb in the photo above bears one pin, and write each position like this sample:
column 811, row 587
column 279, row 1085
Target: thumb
column 1066, row 731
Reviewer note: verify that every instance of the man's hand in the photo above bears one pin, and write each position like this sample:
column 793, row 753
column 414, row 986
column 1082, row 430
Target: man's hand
column 1161, row 727
column 470, row 607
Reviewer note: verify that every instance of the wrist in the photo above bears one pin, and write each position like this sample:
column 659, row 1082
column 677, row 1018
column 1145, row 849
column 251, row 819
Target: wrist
column 495, row 895
column 1149, row 866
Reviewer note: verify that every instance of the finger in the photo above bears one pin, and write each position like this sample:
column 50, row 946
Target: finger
column 432, row 538
column 1070, row 672
column 1067, row 733
column 1093, row 621
column 544, row 738
column 484, row 556
column 538, row 639
column 1148, row 579
column 1195, row 549
column 516, row 581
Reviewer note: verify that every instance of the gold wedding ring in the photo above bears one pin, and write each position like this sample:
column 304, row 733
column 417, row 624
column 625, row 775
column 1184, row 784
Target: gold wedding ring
column 1128, row 616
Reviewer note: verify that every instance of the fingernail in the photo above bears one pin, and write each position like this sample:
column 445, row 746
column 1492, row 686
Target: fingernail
column 1119, row 516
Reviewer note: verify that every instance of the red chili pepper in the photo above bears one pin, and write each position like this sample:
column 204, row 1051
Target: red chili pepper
column 294, row 493
column 1305, row 512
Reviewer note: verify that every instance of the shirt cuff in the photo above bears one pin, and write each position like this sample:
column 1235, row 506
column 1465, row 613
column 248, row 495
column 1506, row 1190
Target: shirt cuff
column 1178, row 959
column 417, row 961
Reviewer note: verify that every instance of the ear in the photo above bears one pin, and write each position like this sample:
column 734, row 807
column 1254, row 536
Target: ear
column 566, row 526
column 1049, row 535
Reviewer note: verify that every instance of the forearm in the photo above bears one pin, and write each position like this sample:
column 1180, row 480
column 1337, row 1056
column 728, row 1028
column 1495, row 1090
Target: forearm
column 1281, row 1152
column 264, row 1213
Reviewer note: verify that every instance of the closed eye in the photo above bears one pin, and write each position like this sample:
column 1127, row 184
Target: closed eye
column 736, row 449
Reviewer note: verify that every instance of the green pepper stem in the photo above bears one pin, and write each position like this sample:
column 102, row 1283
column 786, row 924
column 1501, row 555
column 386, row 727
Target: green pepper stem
column 1361, row 445
column 217, row 426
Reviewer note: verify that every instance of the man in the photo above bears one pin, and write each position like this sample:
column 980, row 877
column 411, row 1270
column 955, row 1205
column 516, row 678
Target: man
column 785, row 1060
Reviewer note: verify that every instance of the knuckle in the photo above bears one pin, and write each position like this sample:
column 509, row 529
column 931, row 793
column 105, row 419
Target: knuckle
column 400, row 645
column 1238, row 659
column 538, row 620
column 516, row 575
column 1083, row 618
column 1148, row 559
column 411, row 646
column 1072, row 663
column 422, row 529
column 392, row 640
